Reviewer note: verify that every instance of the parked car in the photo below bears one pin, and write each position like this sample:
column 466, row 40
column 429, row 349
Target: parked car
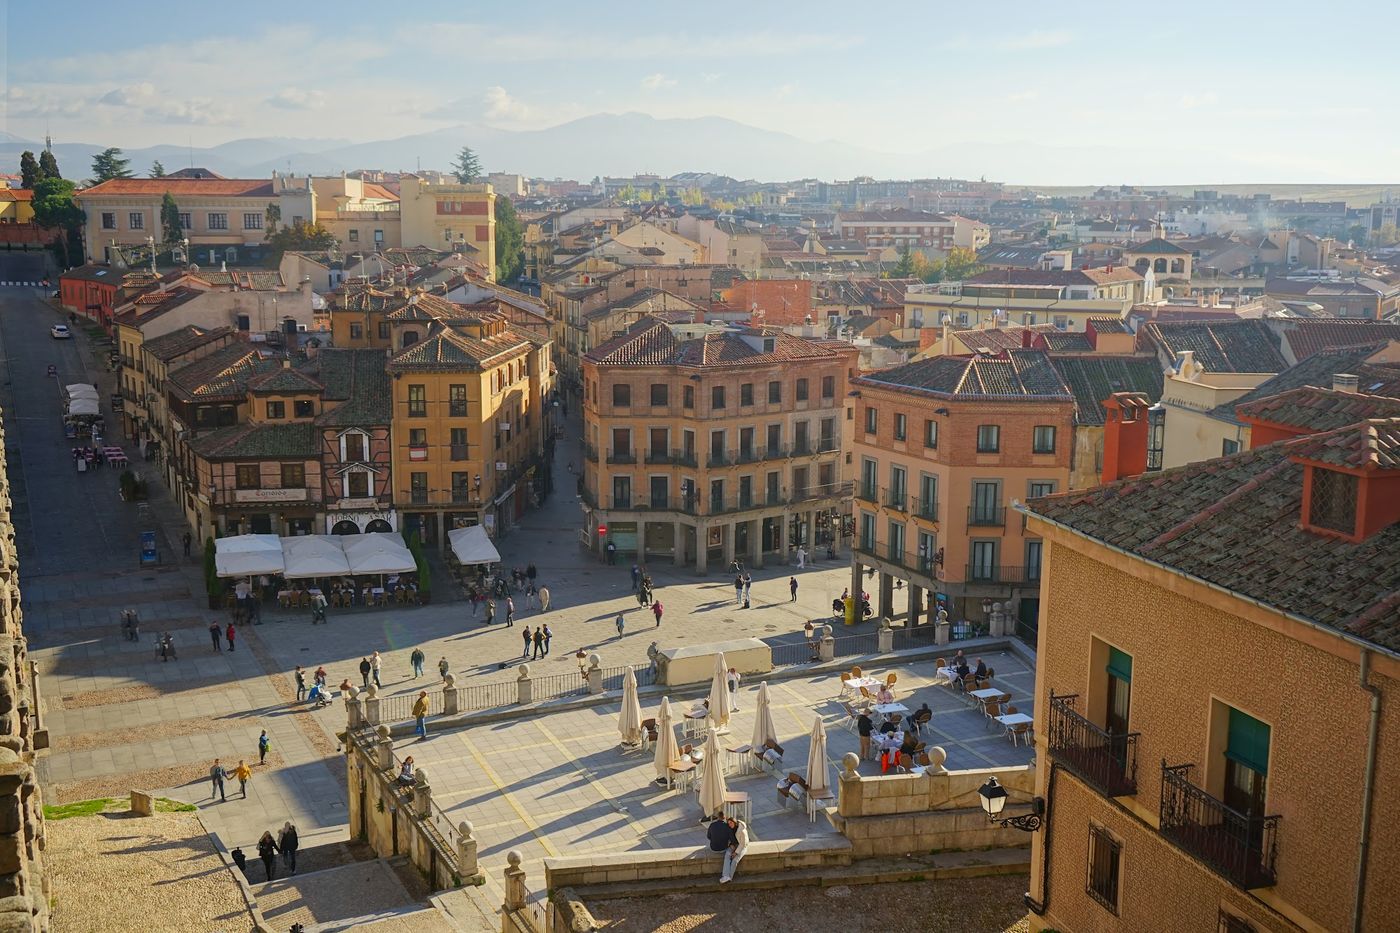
column 60, row 332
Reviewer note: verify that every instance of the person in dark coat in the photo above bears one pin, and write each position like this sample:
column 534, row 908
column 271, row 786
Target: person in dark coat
column 287, row 842
column 267, row 851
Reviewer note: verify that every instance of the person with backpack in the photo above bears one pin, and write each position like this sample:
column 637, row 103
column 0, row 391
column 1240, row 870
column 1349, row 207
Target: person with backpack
column 264, row 743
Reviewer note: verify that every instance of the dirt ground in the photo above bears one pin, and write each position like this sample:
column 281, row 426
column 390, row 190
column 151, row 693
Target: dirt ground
column 964, row 905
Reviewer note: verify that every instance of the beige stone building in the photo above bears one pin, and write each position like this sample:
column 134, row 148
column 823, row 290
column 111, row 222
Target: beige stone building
column 1066, row 298
column 707, row 443
column 449, row 216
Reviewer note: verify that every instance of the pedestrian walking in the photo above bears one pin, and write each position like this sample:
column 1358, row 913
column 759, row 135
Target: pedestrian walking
column 442, row 669
column 792, row 588
column 318, row 608
column 619, row 625
column 539, row 642
column 217, row 775
column 365, row 669
column 612, row 553
column 636, row 577
column 510, row 611
column 301, row 683
column 547, row 636
column 288, row 842
column 374, row 664
column 267, row 851
column 738, row 588
column 527, row 638
column 244, row 775
column 544, row 599
column 186, row 541
column 420, row 715
column 229, row 634
column 490, row 611
column 319, row 676
column 241, row 861
column 264, row 743
column 216, row 636
column 531, row 595
column 838, row 609
column 732, row 681
column 416, row 659
column 656, row 611
column 748, row 585
column 801, row 557
column 531, row 572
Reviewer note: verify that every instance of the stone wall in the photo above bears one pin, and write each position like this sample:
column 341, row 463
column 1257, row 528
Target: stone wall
column 24, row 887
column 580, row 871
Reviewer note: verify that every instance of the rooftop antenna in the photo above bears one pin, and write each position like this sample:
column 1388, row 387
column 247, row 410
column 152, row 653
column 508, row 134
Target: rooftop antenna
column 189, row 148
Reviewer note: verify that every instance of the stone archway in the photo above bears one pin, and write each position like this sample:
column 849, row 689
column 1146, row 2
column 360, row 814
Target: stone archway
column 378, row 525
column 345, row 527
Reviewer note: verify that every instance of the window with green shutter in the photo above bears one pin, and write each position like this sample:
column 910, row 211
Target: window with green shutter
column 1120, row 665
column 1248, row 742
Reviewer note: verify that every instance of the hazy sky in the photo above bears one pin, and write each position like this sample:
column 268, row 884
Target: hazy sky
column 1047, row 92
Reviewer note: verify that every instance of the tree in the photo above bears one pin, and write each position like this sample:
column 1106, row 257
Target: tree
column 54, row 207
column 905, row 267
column 300, row 236
column 960, row 264
column 109, row 164
column 157, row 170
column 170, row 224
column 1386, row 236
column 272, row 217
column 627, row 195
column 1357, row 233
column 467, row 167
column 510, row 241
column 48, row 165
column 28, row 170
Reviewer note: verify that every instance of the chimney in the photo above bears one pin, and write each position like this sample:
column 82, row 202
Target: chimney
column 1125, row 435
column 1026, row 337
column 1344, row 382
column 286, row 363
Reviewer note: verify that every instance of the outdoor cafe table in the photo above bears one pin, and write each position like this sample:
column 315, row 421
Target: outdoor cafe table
column 985, row 694
column 695, row 722
column 866, row 682
column 888, row 709
column 1014, row 719
column 114, row 455
column 946, row 675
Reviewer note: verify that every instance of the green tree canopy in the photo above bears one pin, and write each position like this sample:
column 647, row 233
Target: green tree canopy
column 28, row 169
column 109, row 164
column 510, row 241
column 300, row 236
column 173, row 231
column 157, row 170
column 48, row 165
column 54, row 207
column 960, row 263
column 467, row 167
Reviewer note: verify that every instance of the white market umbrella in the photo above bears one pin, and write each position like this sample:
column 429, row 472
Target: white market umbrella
column 763, row 731
column 629, row 723
column 719, row 694
column 667, row 749
column 818, row 780
column 712, row 788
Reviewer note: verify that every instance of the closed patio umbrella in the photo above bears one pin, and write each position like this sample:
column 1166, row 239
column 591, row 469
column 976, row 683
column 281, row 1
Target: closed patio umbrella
column 763, row 731
column 667, row 750
column 629, row 723
column 712, row 787
column 719, row 694
column 818, row 780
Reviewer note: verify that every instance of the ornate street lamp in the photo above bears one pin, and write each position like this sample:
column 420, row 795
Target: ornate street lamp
column 993, row 797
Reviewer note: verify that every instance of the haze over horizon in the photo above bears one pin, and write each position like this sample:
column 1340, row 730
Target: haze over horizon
column 1051, row 96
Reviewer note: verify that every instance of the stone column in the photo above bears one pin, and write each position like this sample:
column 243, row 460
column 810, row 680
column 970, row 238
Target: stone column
column 857, row 579
column 678, row 550
column 422, row 794
column 886, row 595
column 756, row 544
column 524, row 689
column 702, row 548
column 449, row 696
column 885, row 636
column 384, row 749
column 827, row 650
column 516, row 894
column 727, row 531
column 372, row 705
column 916, row 602
column 595, row 674
column 354, row 710
column 466, row 852
column 848, row 792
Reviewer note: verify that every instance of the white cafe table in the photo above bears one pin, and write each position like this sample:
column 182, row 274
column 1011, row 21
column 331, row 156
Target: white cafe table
column 1014, row 719
column 889, row 709
column 985, row 694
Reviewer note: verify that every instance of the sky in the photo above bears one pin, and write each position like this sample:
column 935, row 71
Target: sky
column 1046, row 93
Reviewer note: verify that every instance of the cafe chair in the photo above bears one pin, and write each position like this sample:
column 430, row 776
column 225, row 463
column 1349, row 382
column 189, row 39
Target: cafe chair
column 852, row 716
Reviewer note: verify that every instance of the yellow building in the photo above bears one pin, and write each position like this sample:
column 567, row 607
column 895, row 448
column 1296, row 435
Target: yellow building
column 16, row 206
column 1219, row 649
column 1066, row 298
column 445, row 216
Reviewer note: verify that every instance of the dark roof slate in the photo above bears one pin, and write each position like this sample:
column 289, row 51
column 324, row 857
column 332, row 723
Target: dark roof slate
column 1094, row 378
column 1233, row 346
column 258, row 441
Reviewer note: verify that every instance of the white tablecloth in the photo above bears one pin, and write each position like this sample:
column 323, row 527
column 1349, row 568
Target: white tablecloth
column 1014, row 719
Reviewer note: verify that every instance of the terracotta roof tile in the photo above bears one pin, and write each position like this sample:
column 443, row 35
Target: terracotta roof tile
column 1306, row 337
column 1024, row 374
column 1318, row 370
column 1229, row 346
column 258, row 441
column 1094, row 378
column 198, row 187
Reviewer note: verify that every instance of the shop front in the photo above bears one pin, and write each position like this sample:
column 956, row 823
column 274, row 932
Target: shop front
column 360, row 521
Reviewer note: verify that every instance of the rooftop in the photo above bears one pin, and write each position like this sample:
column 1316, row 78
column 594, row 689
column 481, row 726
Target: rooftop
column 167, row 347
column 357, row 380
column 258, row 441
column 1157, row 246
column 186, row 187
column 1094, row 378
column 1306, row 337
column 1234, row 346
column 1318, row 370
column 1024, row 374
column 652, row 342
column 1318, row 410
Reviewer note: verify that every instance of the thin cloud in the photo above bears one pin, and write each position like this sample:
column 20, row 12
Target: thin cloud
column 294, row 98
column 654, row 82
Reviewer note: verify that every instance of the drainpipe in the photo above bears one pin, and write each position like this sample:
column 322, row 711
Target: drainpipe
column 1039, row 908
column 1372, row 737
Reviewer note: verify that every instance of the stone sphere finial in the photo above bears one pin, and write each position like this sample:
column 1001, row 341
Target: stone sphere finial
column 372, row 692
column 849, row 763
column 513, row 858
column 383, row 733
column 936, row 757
column 464, row 829
column 524, row 670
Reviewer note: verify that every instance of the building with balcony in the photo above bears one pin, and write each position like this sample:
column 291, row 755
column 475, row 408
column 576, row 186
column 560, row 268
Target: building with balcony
column 941, row 448
column 1066, row 298
column 1218, row 649
column 706, row 443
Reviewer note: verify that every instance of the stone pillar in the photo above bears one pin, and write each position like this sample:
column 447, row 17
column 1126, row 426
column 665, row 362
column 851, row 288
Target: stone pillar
column 827, row 650
column 524, row 689
column 678, row 549
column 857, row 579
column 811, row 533
column 466, row 852
column 642, row 541
column 595, row 674
column 449, row 696
column 943, row 634
column 372, row 705
column 702, row 548
column 886, row 595
column 354, row 710
column 848, row 791
column 727, row 536
column 885, row 636
column 516, row 894
column 756, row 544
column 916, row 603
column 997, row 623
column 384, row 749
column 422, row 794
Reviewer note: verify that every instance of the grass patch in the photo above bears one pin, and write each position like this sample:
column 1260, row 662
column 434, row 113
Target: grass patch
column 79, row 808
column 166, row 805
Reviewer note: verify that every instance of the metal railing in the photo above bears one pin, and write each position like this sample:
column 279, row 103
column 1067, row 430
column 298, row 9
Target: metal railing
column 487, row 696
column 1106, row 761
column 847, row 645
column 912, row 561
column 418, row 496
column 986, row 516
column 924, row 508
column 590, row 452
column 789, row 654
column 559, row 685
column 1241, row 847
column 896, row 498
column 621, row 457
column 612, row 676
column 995, row 573
column 867, row 492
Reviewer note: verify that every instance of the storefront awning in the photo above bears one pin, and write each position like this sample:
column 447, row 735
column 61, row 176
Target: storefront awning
column 473, row 546
column 309, row 556
column 248, row 555
column 377, row 552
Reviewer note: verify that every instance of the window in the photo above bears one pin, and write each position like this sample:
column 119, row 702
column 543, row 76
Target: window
column 1229, row 923
column 1156, row 430
column 986, row 503
column 357, row 485
column 901, row 427
column 1228, row 447
column 136, row 220
column 828, row 386
column 931, row 435
column 928, row 495
column 357, row 331
column 417, row 402
column 622, row 442
column 928, row 547
column 354, row 235
column 717, row 447
column 218, row 221
column 252, row 221
column 418, row 437
column 802, row 390
column 988, row 438
column 1104, row 855
column 1034, row 552
column 899, row 486
column 410, row 337
column 622, row 395
column 895, row 542
column 109, row 220
column 246, row 476
column 1246, row 763
column 457, row 401
column 867, row 532
column 622, row 492
column 688, row 396
column 872, row 420
column 276, row 410
column 660, row 492
column 304, row 408
column 660, row 395
column 717, row 397
column 828, row 434
column 1332, row 504
column 354, row 450
column 418, row 487
column 378, row 237
column 1040, row 487
column 746, row 443
column 293, row 476
column 1043, row 439
column 983, row 566
column 746, row 394
column 457, row 443
column 868, row 473
column 186, row 221
column 775, row 393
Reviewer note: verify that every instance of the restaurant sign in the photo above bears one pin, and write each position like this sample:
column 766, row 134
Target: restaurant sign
column 269, row 495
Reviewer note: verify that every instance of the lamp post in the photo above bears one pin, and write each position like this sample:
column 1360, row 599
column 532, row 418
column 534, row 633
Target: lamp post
column 993, row 798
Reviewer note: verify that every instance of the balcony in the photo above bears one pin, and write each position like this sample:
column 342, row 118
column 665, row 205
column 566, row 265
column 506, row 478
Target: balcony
column 986, row 516
column 1240, row 847
column 802, row 448
column 925, row 508
column 590, row 453
column 911, row 561
column 719, row 458
column 827, row 445
column 822, row 491
column 896, row 498
column 775, row 452
column 418, row 496
column 749, row 455
column 994, row 574
column 456, row 409
column 1106, row 761
column 458, row 451
column 622, row 456
column 463, row 494
column 687, row 458
column 661, row 456
column 867, row 492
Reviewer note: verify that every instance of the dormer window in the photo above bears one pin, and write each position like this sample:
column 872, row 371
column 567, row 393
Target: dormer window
column 1332, row 505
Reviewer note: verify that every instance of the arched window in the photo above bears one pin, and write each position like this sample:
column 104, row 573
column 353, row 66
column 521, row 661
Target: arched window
column 345, row 528
column 410, row 337
column 378, row 524
column 1159, row 266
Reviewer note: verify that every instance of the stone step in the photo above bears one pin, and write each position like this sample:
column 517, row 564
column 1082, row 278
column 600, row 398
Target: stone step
column 415, row 919
column 869, row 871
column 468, row 910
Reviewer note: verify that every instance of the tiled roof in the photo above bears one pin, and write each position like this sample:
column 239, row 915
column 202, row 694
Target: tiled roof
column 186, row 187
column 1318, row 410
column 446, row 349
column 1306, row 337
column 1234, row 522
column 1001, row 254
column 253, row 279
column 1109, row 325
column 167, row 347
column 93, row 272
column 357, row 380
column 1053, row 277
column 1094, row 378
column 413, row 255
column 221, row 374
column 1316, row 370
column 285, row 381
column 1238, row 346
column 1373, row 444
column 1067, row 340
column 1157, row 245
column 997, row 339
column 1024, row 374
column 651, row 342
column 257, row 441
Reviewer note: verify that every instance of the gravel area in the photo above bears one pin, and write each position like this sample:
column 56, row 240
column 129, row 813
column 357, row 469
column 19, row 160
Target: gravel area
column 963, row 905
column 335, row 894
column 115, row 695
column 168, row 729
column 194, row 776
column 114, row 871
